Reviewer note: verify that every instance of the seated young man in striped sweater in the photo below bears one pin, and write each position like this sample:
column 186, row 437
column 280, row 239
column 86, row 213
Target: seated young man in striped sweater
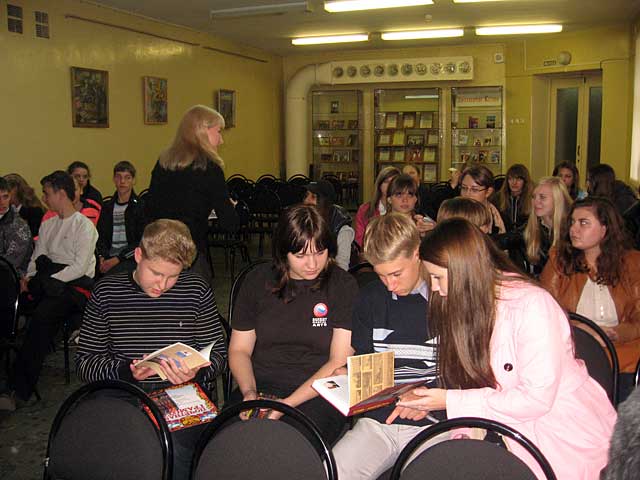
column 132, row 314
column 389, row 314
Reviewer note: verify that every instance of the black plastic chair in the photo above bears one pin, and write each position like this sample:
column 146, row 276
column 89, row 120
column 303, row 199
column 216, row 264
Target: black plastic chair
column 9, row 296
column 602, row 362
column 230, row 242
column 299, row 179
column 289, row 193
column 468, row 458
column 102, row 432
column 363, row 273
column 337, row 186
column 265, row 209
column 291, row 447
column 498, row 181
column 268, row 181
column 233, row 295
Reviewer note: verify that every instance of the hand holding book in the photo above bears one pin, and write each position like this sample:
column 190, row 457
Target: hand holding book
column 177, row 363
column 417, row 403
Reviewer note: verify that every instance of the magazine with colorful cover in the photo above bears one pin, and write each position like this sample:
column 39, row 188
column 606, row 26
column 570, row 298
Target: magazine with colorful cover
column 367, row 385
column 184, row 405
column 177, row 352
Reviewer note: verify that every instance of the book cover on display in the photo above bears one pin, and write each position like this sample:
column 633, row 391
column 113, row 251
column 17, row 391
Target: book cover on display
column 184, row 406
column 367, row 385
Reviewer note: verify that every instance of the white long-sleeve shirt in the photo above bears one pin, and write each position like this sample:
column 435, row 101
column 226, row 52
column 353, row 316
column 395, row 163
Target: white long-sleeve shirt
column 70, row 241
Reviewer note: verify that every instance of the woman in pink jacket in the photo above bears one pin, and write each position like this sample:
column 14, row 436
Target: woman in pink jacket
column 377, row 205
column 506, row 354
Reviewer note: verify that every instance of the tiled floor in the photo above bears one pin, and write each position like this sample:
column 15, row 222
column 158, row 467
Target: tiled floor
column 24, row 433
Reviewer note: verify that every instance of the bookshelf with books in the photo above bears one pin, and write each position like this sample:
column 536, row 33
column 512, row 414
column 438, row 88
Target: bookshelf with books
column 337, row 140
column 407, row 130
column 477, row 127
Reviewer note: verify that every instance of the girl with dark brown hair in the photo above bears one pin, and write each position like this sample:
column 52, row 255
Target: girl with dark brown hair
column 506, row 354
column 595, row 273
column 292, row 320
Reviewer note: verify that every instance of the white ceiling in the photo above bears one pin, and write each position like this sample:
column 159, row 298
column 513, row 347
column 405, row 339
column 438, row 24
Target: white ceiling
column 274, row 32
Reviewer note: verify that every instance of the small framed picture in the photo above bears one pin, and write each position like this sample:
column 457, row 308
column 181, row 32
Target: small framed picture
column 335, row 106
column 384, row 139
column 324, row 141
column 155, row 100
column 338, row 141
column 352, row 124
column 483, row 156
column 477, row 142
column 342, row 156
column 384, row 155
column 494, row 157
column 463, row 138
column 414, row 155
column 323, row 125
column 226, row 105
column 415, row 139
column 391, row 120
column 337, row 124
column 491, row 121
column 487, row 141
column 89, row 97
column 409, row 120
column 430, row 173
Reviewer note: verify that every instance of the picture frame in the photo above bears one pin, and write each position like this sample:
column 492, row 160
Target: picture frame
column 337, row 124
column 409, row 120
column 391, row 120
column 426, row 119
column 417, row 140
column 342, row 156
column 414, row 154
column 89, row 97
column 324, row 125
column 352, row 124
column 335, row 106
column 226, row 105
column 324, row 141
column 384, row 139
column 494, row 157
column 154, row 92
column 429, row 173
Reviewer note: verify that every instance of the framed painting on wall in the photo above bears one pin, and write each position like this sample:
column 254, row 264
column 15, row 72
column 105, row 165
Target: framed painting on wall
column 226, row 105
column 89, row 97
column 155, row 100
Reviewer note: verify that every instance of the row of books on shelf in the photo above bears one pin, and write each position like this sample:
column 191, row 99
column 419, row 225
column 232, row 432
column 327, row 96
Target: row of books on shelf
column 338, row 156
column 337, row 141
column 399, row 138
column 460, row 138
column 409, row 154
column 406, row 119
column 482, row 156
column 336, row 124
column 488, row 121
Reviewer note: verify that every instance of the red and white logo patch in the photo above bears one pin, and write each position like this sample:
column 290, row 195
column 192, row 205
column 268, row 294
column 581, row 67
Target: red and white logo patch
column 320, row 310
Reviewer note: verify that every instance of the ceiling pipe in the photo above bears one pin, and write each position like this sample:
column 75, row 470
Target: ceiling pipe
column 297, row 115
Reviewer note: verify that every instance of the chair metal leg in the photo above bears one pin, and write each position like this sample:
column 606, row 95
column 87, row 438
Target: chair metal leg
column 65, row 343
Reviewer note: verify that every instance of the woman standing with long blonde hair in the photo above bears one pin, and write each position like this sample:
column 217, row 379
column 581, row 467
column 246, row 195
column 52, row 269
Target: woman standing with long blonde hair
column 188, row 182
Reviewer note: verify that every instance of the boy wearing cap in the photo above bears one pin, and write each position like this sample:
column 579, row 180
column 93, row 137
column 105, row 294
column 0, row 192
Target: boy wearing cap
column 322, row 195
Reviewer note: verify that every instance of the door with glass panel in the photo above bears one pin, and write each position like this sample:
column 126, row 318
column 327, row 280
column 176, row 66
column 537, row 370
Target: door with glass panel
column 576, row 122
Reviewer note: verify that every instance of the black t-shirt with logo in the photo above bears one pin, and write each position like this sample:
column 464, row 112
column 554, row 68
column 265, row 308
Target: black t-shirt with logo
column 292, row 339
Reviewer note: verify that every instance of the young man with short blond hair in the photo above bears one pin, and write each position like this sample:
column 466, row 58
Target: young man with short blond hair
column 390, row 314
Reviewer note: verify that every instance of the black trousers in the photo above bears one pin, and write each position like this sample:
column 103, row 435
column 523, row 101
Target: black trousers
column 48, row 315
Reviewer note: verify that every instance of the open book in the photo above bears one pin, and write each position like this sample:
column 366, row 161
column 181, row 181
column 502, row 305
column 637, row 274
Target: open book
column 177, row 352
column 184, row 405
column 367, row 385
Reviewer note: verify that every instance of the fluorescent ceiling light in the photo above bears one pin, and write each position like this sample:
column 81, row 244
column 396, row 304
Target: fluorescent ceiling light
column 518, row 29
column 353, row 5
column 412, row 97
column 409, row 35
column 278, row 8
column 476, row 1
column 330, row 39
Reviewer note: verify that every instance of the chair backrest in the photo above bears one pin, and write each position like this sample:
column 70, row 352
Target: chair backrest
column 233, row 295
column 9, row 295
column 291, row 447
column 467, row 458
column 106, row 199
column 498, row 181
column 363, row 273
column 638, row 374
column 299, row 179
column 289, row 193
column 102, row 432
column 596, row 349
column 143, row 193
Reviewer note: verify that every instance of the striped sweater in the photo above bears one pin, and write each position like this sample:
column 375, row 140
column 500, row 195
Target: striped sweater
column 122, row 323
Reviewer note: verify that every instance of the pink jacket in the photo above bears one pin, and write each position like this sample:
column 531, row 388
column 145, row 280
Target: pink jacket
column 544, row 392
column 362, row 221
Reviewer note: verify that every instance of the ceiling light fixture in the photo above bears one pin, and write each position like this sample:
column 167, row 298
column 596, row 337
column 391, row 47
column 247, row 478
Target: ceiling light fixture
column 518, row 29
column 354, row 5
column 361, row 37
column 416, row 34
column 476, row 1
column 278, row 8
column 415, row 97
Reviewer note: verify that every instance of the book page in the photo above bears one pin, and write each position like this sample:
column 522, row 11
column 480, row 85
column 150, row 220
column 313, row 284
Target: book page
column 186, row 396
column 176, row 353
column 368, row 375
